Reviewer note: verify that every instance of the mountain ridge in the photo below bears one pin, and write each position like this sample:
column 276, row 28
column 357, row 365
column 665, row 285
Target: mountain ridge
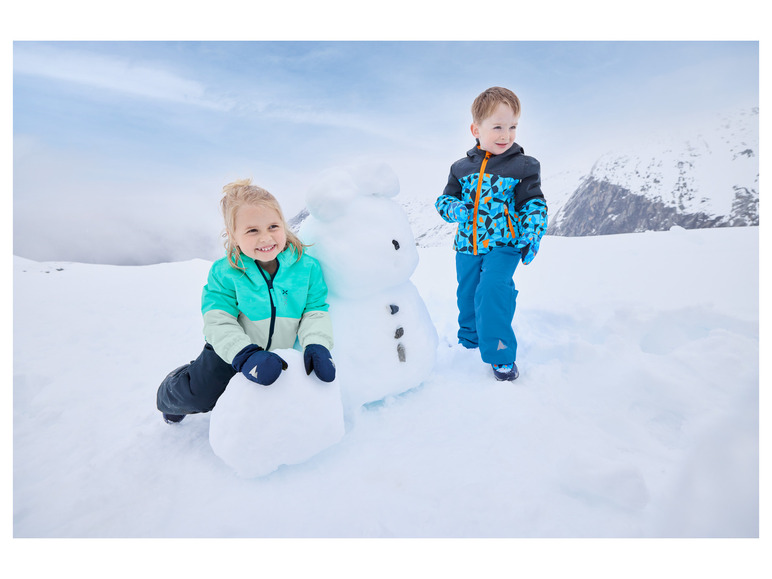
column 698, row 180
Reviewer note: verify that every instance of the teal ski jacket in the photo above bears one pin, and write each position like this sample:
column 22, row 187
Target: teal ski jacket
column 242, row 308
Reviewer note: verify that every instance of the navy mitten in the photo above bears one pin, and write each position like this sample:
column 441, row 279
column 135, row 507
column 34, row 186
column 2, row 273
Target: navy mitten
column 258, row 365
column 533, row 223
column 318, row 358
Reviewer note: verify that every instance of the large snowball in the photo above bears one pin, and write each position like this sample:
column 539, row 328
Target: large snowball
column 330, row 194
column 332, row 191
column 385, row 343
column 366, row 249
column 375, row 179
column 255, row 429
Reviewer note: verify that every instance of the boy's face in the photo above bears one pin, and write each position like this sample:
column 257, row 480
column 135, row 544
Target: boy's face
column 496, row 133
column 259, row 233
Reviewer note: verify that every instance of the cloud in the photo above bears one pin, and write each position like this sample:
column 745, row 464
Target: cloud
column 137, row 123
column 269, row 99
column 111, row 73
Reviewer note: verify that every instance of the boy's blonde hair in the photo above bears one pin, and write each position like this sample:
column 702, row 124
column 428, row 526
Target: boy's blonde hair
column 488, row 100
column 239, row 194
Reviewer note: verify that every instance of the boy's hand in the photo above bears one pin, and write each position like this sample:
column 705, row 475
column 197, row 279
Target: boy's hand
column 531, row 247
column 533, row 222
column 459, row 212
column 259, row 365
column 318, row 358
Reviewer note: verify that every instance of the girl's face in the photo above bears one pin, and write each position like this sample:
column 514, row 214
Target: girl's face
column 259, row 233
column 497, row 132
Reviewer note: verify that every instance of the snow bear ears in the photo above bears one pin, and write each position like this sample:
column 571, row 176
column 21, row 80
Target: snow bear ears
column 331, row 195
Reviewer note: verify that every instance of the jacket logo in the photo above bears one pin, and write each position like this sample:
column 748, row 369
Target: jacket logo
column 253, row 372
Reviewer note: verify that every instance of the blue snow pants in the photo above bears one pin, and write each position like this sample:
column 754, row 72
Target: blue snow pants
column 195, row 387
column 486, row 299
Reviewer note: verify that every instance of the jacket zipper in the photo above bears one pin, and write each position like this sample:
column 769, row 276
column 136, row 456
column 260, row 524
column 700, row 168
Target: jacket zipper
column 269, row 282
column 509, row 222
column 477, row 200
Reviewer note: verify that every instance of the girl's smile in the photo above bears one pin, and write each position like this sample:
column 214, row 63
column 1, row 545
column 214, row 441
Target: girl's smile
column 259, row 233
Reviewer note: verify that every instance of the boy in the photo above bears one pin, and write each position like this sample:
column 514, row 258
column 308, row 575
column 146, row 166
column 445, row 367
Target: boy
column 494, row 194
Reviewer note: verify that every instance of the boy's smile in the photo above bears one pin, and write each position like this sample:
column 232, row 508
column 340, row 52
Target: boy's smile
column 496, row 133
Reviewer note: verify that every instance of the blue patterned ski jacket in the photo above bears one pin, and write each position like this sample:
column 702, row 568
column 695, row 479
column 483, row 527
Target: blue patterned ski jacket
column 499, row 191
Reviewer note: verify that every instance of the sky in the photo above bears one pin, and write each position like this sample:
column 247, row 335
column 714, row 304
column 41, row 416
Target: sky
column 121, row 148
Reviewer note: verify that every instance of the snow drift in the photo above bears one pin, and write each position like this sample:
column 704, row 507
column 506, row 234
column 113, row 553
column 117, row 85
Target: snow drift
column 636, row 413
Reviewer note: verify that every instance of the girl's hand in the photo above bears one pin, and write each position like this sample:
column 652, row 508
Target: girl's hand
column 258, row 365
column 318, row 358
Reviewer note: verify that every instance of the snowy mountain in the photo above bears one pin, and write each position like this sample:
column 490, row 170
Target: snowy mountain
column 706, row 179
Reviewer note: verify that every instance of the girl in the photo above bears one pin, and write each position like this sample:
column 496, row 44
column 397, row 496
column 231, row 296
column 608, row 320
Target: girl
column 264, row 295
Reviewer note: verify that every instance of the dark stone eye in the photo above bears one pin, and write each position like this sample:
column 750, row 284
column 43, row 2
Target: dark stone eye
column 395, row 243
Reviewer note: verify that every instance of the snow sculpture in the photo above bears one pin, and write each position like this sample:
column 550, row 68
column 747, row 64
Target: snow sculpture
column 255, row 429
column 385, row 341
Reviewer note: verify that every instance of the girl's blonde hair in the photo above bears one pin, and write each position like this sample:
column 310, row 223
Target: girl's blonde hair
column 241, row 193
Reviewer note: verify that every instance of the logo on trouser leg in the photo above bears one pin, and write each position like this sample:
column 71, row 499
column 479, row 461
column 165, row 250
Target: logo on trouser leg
column 501, row 346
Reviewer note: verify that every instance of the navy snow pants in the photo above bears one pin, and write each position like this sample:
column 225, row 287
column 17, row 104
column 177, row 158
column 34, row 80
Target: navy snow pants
column 486, row 299
column 195, row 387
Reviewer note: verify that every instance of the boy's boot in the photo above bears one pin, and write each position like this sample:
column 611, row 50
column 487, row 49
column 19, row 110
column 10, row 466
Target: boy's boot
column 505, row 371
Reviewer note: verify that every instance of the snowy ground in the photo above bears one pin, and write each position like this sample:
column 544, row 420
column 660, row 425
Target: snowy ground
column 635, row 415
